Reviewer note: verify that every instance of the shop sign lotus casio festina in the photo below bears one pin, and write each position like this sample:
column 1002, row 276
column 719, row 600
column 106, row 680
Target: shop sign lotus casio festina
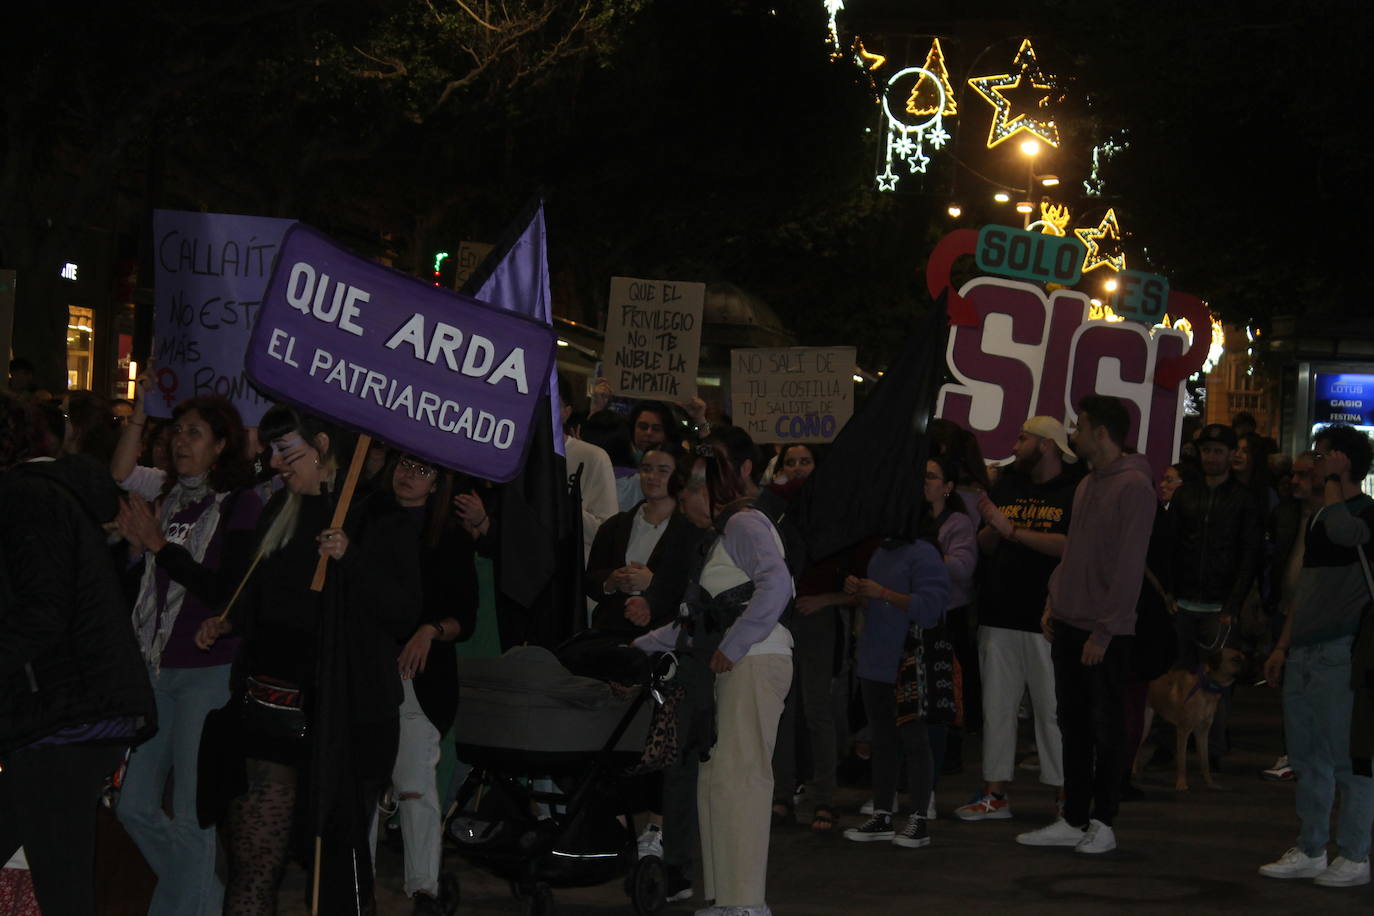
column 1016, row 350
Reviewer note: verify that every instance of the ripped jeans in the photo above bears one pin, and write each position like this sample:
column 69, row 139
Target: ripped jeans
column 414, row 784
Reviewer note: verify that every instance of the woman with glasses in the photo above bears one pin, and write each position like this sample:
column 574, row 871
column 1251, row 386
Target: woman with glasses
column 428, row 671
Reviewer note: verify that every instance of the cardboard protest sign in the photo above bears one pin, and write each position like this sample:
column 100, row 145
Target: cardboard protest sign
column 792, row 394
column 211, row 271
column 653, row 338
column 438, row 374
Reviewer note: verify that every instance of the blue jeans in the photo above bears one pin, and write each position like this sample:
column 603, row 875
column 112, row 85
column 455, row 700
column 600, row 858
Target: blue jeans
column 1317, row 701
column 179, row 852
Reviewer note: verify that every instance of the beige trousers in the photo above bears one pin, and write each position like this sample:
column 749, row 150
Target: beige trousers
column 735, row 787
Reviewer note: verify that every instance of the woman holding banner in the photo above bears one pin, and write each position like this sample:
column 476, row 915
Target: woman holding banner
column 193, row 530
column 315, row 679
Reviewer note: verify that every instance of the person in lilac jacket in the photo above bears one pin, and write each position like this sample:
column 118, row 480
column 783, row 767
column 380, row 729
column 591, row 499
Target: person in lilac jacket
column 744, row 582
column 907, row 585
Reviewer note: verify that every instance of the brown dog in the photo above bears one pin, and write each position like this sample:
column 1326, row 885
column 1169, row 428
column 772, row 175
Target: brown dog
column 1188, row 699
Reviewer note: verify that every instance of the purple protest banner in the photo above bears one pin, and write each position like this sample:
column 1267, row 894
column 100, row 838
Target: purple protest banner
column 211, row 270
column 435, row 373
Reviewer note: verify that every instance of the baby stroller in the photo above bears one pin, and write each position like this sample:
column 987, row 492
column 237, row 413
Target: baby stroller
column 543, row 806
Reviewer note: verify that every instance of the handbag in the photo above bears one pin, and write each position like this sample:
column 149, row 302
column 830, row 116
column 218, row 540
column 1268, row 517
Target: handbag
column 929, row 683
column 664, row 746
column 274, row 708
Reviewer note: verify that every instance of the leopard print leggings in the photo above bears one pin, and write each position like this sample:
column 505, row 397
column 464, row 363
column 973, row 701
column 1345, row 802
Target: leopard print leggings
column 260, row 838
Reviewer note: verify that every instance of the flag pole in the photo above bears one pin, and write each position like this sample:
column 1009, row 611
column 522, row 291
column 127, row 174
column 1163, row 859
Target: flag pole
column 355, row 469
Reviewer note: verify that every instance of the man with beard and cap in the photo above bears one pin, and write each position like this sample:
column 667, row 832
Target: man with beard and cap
column 1090, row 620
column 1026, row 519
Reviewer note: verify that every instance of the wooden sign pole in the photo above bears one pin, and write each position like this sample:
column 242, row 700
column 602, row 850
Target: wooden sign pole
column 355, row 468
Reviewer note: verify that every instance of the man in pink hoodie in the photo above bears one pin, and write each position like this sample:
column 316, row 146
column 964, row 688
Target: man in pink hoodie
column 1090, row 619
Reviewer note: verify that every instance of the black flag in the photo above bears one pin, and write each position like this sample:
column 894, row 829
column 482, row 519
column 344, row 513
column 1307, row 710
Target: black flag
column 870, row 481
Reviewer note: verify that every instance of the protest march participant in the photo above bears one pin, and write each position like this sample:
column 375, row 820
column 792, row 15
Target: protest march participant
column 339, row 643
column 74, row 692
column 193, row 530
column 1090, row 618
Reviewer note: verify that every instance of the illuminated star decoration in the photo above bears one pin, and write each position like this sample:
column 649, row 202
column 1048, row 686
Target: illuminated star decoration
column 1093, row 239
column 1027, row 76
column 915, row 102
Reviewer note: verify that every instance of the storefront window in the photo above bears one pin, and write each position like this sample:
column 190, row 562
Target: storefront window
column 80, row 346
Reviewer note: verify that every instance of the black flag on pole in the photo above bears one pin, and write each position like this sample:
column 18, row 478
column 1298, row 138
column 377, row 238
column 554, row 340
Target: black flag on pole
column 870, row 481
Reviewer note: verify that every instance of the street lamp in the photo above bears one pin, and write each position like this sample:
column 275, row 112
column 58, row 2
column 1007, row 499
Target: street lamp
column 955, row 211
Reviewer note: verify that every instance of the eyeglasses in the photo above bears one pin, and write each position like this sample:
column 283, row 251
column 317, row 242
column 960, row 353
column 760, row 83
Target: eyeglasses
column 419, row 470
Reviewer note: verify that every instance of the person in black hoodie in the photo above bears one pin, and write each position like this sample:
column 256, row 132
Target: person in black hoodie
column 74, row 693
column 316, row 673
column 428, row 670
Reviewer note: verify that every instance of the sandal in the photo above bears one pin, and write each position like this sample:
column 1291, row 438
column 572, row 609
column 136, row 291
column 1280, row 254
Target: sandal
column 783, row 813
column 823, row 820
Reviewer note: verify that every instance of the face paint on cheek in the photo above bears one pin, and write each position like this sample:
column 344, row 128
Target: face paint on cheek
column 289, row 448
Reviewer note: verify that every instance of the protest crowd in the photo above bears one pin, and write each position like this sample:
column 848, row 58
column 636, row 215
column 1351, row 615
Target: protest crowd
column 167, row 648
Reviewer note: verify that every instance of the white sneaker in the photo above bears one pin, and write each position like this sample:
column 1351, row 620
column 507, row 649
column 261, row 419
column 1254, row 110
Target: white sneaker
column 651, row 842
column 1060, row 833
column 1296, row 864
column 1344, row 873
column 1280, row 770
column 1097, row 839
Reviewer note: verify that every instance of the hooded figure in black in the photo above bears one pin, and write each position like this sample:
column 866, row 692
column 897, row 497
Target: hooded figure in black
column 74, row 692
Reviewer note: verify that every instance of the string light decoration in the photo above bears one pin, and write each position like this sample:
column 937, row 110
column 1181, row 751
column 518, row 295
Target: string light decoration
column 1102, row 154
column 1099, row 254
column 1054, row 218
column 439, row 258
column 1216, row 348
column 832, row 12
column 908, row 133
column 1100, row 311
column 1026, row 80
column 924, row 100
column 865, row 58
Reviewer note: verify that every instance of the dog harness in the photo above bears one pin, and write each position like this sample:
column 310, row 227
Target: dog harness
column 1204, row 683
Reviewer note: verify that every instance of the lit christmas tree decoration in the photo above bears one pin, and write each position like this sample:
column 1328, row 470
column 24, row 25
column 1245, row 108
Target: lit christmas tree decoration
column 914, row 105
column 1027, row 82
column 1100, row 254
column 925, row 99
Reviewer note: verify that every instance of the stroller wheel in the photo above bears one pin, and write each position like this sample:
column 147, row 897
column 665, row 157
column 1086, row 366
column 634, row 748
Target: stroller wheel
column 540, row 901
column 647, row 886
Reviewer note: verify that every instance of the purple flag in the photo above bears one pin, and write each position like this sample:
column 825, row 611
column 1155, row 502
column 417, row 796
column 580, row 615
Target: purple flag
column 519, row 282
column 434, row 373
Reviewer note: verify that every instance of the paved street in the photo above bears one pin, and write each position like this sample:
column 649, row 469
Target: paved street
column 1198, row 850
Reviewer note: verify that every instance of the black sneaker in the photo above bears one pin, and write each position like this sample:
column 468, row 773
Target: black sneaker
column 914, row 835
column 877, row 827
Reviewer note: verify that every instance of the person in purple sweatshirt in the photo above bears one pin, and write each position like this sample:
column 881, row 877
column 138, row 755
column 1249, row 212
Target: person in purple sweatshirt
column 1090, row 620
column 907, row 586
